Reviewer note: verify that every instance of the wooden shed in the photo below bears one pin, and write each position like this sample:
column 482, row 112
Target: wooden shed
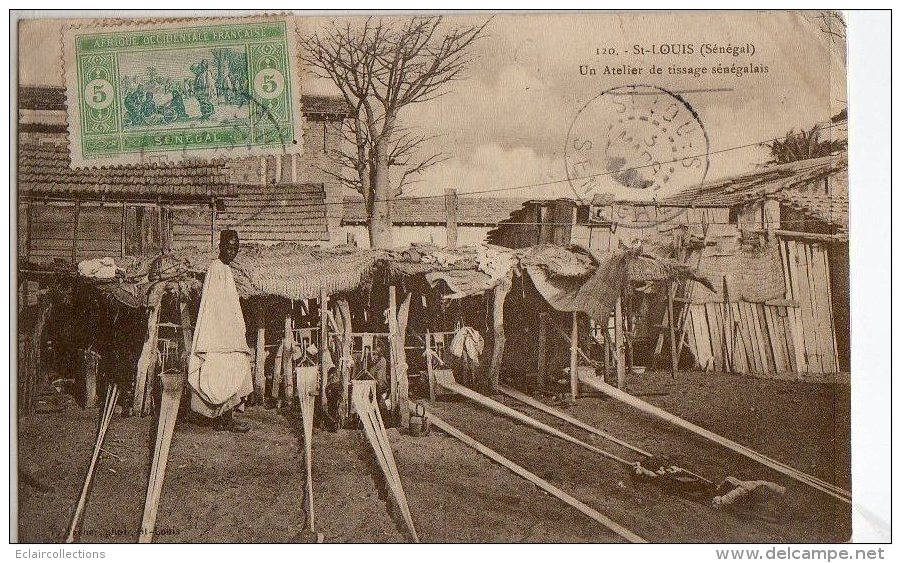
column 72, row 214
column 773, row 242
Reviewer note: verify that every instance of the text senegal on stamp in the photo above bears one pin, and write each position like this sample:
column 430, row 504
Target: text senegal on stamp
column 181, row 90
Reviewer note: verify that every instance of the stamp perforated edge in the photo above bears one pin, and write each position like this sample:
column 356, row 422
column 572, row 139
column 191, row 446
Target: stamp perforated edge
column 294, row 29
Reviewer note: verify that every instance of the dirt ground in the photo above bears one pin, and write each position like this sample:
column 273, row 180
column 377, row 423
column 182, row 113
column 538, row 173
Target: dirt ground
column 223, row 487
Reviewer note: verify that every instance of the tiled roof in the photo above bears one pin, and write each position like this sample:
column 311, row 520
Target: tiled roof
column 331, row 105
column 44, row 169
column 759, row 184
column 54, row 98
column 831, row 209
column 42, row 97
column 278, row 213
column 483, row 211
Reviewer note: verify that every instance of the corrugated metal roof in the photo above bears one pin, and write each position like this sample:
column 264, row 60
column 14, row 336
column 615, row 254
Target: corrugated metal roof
column 486, row 211
column 54, row 98
column 44, row 169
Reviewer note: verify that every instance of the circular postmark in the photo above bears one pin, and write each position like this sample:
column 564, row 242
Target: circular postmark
column 630, row 143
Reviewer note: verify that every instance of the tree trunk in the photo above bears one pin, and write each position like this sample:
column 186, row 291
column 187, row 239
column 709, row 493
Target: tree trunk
column 380, row 235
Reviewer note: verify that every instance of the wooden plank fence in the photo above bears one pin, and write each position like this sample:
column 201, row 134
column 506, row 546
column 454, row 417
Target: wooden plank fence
column 780, row 336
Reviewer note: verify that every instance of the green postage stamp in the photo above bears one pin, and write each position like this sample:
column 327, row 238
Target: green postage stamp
column 169, row 91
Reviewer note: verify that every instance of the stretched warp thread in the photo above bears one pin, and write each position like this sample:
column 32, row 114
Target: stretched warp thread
column 112, row 394
column 363, row 397
column 816, row 483
column 446, row 379
column 307, row 377
column 172, row 387
column 536, row 480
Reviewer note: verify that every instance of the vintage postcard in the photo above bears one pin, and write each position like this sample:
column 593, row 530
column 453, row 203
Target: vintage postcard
column 445, row 278
column 181, row 89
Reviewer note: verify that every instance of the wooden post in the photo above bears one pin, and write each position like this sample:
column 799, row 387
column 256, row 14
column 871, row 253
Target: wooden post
column 187, row 330
column 450, row 207
column 29, row 219
column 90, row 367
column 574, row 358
column 33, row 349
column 398, row 366
column 618, row 344
column 75, row 232
column 674, row 358
column 122, row 231
column 428, row 365
column 403, row 387
column 344, row 363
column 323, row 347
column 542, row 349
column 172, row 390
column 497, row 352
column 213, row 225
column 147, row 359
column 259, row 370
column 288, row 358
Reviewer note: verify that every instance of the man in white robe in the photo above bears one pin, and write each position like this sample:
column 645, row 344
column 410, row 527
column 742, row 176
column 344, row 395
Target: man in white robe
column 219, row 364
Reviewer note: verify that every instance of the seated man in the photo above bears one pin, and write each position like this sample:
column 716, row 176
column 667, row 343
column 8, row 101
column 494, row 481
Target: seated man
column 219, row 364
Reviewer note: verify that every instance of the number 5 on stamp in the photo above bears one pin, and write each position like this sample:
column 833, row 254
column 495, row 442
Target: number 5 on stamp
column 182, row 90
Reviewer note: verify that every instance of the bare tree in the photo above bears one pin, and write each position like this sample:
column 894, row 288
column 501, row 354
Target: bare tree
column 832, row 24
column 382, row 66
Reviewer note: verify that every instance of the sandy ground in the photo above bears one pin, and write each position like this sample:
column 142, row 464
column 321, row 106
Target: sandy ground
column 223, row 487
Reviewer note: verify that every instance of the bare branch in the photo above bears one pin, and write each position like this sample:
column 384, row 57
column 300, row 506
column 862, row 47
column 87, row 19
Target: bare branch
column 380, row 66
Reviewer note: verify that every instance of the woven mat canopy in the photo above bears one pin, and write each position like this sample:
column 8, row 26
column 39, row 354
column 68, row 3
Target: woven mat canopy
column 294, row 271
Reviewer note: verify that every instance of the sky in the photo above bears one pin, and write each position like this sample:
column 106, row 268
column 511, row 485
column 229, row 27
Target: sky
column 505, row 125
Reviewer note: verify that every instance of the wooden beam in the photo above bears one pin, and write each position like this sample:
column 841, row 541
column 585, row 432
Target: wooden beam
column 147, row 359
column 173, row 384
column 106, row 416
column 428, row 364
column 647, row 408
column 288, row 358
column 536, row 480
column 673, row 355
column 446, row 381
column 574, row 357
column 33, row 354
column 497, row 350
column 807, row 237
column 403, row 384
column 542, row 349
column 536, row 404
column 75, row 231
column 29, row 219
column 618, row 344
column 259, row 370
column 213, row 225
column 374, row 427
column 450, row 208
column 122, row 231
column 392, row 344
column 344, row 363
column 323, row 348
